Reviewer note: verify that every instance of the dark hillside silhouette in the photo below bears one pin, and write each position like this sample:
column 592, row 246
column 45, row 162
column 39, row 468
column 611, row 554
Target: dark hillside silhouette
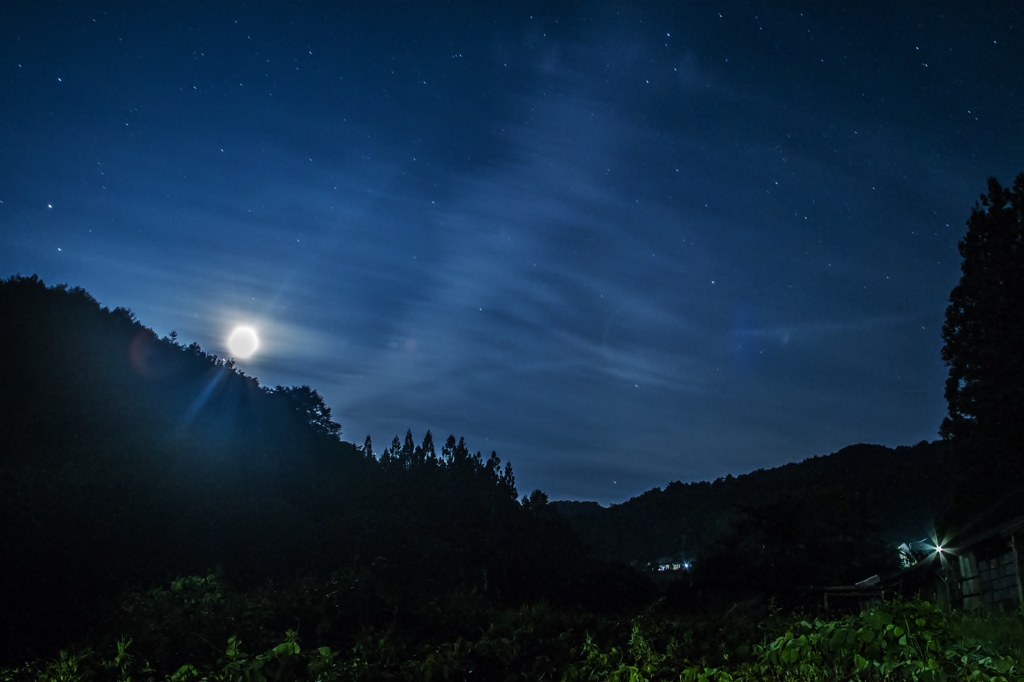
column 899, row 491
column 129, row 459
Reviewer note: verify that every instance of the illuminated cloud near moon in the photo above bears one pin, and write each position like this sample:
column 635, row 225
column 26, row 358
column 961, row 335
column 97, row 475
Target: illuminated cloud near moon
column 620, row 242
column 243, row 342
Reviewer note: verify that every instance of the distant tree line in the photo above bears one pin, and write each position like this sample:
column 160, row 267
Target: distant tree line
column 823, row 521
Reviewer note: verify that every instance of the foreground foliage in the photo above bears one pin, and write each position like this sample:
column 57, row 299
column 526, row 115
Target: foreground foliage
column 347, row 629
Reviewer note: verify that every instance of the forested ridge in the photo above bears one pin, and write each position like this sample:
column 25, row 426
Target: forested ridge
column 130, row 460
column 902, row 491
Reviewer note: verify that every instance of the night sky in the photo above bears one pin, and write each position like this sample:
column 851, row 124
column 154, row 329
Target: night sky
column 618, row 244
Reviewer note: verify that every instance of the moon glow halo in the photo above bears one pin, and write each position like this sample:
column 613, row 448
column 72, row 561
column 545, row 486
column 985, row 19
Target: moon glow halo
column 243, row 342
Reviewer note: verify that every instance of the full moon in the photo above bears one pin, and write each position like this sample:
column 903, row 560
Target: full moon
column 243, row 342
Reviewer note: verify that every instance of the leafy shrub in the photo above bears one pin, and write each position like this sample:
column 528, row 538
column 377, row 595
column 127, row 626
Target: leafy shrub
column 349, row 628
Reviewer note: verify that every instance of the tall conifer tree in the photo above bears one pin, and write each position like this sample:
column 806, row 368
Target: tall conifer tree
column 984, row 349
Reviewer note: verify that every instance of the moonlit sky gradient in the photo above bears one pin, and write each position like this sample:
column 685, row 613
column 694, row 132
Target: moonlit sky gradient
column 619, row 244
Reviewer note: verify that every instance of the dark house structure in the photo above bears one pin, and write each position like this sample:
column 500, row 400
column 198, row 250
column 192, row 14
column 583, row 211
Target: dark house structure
column 985, row 570
column 982, row 570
